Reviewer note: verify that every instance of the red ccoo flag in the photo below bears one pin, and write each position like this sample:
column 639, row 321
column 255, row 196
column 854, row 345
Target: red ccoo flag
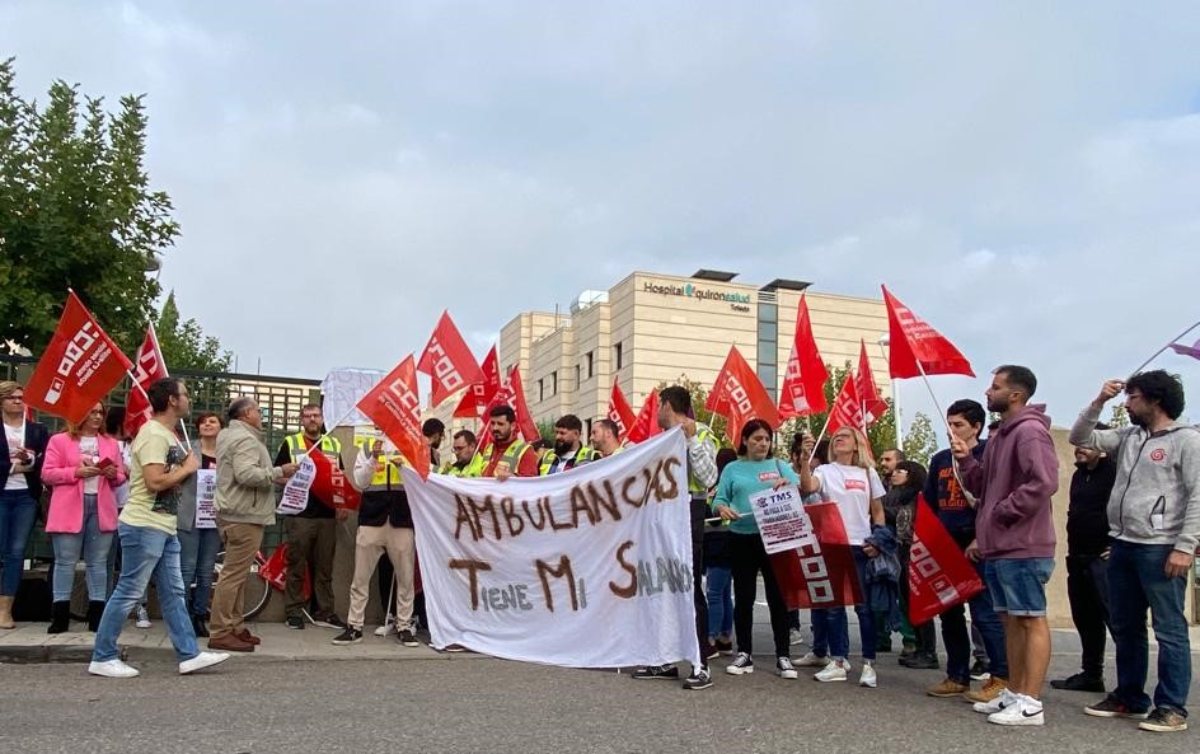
column 448, row 361
column 524, row 419
column 873, row 404
column 645, row 425
column 619, row 411
column 739, row 395
column 480, row 394
column 148, row 367
column 78, row 368
column 395, row 407
column 847, row 409
column 916, row 347
column 939, row 575
column 803, row 391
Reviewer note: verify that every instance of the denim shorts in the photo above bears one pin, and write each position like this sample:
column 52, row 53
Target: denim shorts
column 1018, row 585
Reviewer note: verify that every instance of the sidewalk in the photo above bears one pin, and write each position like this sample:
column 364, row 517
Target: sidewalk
column 30, row 643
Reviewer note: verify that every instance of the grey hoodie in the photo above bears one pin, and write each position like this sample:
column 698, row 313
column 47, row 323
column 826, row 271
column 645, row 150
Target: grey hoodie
column 1156, row 499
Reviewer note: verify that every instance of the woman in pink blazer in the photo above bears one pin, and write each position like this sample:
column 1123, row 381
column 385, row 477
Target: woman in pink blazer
column 83, row 466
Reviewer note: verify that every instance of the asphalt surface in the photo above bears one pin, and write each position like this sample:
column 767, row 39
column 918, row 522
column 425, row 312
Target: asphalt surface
column 484, row 705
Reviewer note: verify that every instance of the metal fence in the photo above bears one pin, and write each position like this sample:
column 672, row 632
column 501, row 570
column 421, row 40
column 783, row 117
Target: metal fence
column 279, row 397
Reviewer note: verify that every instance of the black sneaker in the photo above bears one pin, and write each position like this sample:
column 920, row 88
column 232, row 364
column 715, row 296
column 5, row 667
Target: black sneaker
column 1080, row 682
column 407, row 638
column 743, row 664
column 329, row 621
column 1163, row 720
column 349, row 636
column 296, row 622
column 700, row 679
column 922, row 661
column 711, row 652
column 657, row 673
column 1110, row 706
column 724, row 646
column 981, row 672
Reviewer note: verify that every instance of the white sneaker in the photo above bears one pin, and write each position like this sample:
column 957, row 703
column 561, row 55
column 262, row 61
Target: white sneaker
column 388, row 628
column 1006, row 699
column 741, row 665
column 868, row 678
column 202, row 661
column 1026, row 711
column 810, row 660
column 112, row 669
column 785, row 669
column 795, row 637
column 143, row 618
column 836, row 670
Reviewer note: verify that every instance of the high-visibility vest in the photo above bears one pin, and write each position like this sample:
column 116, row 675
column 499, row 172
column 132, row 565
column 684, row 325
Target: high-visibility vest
column 512, row 456
column 297, row 447
column 387, row 474
column 582, row 456
column 697, row 488
column 472, row 469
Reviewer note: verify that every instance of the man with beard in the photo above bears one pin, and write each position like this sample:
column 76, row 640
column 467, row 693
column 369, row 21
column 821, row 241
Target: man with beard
column 510, row 455
column 568, row 451
column 434, row 431
column 1154, row 519
column 675, row 410
column 1013, row 482
column 1087, row 562
column 888, row 460
column 606, row 437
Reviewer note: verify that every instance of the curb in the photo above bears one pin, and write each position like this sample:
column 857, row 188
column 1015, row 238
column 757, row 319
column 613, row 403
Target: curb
column 43, row 655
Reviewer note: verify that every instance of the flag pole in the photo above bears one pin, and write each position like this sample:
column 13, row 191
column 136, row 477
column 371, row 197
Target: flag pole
column 317, row 443
column 1174, row 340
column 936, row 404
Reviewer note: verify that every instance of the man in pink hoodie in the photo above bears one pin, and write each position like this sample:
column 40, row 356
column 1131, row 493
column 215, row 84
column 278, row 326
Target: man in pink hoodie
column 1013, row 482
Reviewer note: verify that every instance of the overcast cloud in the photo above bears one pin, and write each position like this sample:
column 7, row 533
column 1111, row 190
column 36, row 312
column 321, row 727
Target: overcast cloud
column 1026, row 176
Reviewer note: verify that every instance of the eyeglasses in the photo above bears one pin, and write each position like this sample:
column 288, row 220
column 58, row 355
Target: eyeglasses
column 14, row 398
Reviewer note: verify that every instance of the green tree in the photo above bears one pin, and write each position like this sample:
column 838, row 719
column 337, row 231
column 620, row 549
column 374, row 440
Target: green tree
column 1119, row 418
column 184, row 345
column 921, row 440
column 546, row 429
column 76, row 211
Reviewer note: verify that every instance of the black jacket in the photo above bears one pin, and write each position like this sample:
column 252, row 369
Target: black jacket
column 36, row 439
column 1087, row 512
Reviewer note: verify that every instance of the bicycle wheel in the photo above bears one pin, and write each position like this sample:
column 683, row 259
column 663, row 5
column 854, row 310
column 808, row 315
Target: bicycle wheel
column 257, row 591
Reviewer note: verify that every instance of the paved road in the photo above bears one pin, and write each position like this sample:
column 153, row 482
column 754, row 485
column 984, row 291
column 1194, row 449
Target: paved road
column 485, row 705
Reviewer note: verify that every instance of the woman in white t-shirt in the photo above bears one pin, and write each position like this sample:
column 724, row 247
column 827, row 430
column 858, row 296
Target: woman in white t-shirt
column 851, row 482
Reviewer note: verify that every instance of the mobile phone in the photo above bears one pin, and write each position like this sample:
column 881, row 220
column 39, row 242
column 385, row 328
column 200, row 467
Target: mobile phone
column 104, row 463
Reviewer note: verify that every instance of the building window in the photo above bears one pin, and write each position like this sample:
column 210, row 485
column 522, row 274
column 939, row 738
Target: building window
column 541, row 390
column 578, row 377
column 587, row 429
column 768, row 346
column 591, row 364
column 618, row 355
column 554, row 383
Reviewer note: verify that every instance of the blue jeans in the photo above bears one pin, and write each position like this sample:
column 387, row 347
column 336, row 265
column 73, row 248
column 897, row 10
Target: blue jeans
column 720, row 600
column 18, row 510
column 146, row 553
column 830, row 626
column 93, row 545
column 1136, row 582
column 198, row 550
column 957, row 638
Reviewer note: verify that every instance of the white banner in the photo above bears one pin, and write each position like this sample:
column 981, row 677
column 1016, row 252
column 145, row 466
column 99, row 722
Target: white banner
column 341, row 391
column 206, row 496
column 782, row 520
column 591, row 568
column 295, row 493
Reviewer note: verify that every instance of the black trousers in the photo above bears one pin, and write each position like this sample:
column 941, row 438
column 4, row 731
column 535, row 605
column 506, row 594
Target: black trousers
column 747, row 559
column 1087, row 590
column 699, row 513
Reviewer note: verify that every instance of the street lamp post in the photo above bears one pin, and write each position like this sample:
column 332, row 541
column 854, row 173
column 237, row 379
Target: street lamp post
column 884, row 342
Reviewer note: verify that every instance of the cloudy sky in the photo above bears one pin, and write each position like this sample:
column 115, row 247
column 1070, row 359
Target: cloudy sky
column 1026, row 176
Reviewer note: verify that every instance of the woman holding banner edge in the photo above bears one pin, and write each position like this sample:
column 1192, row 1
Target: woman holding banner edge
column 850, row 481
column 755, row 470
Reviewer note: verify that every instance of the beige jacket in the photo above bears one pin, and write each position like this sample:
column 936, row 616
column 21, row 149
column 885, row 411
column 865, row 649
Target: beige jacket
column 245, row 477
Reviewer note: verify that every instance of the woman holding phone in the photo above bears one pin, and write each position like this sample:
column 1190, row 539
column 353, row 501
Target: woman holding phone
column 83, row 468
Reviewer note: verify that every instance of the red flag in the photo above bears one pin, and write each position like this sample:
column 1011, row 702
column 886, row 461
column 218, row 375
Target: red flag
column 847, row 408
column 78, row 368
column 448, row 361
column 479, row 394
column 646, row 424
column 148, row 367
column 939, row 575
column 619, row 411
column 739, row 395
column 820, row 573
column 395, row 407
column 524, row 420
column 868, row 392
column 330, row 483
column 803, row 390
column 916, row 347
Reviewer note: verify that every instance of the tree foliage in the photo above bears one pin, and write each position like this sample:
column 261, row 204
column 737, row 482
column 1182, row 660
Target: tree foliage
column 76, row 211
